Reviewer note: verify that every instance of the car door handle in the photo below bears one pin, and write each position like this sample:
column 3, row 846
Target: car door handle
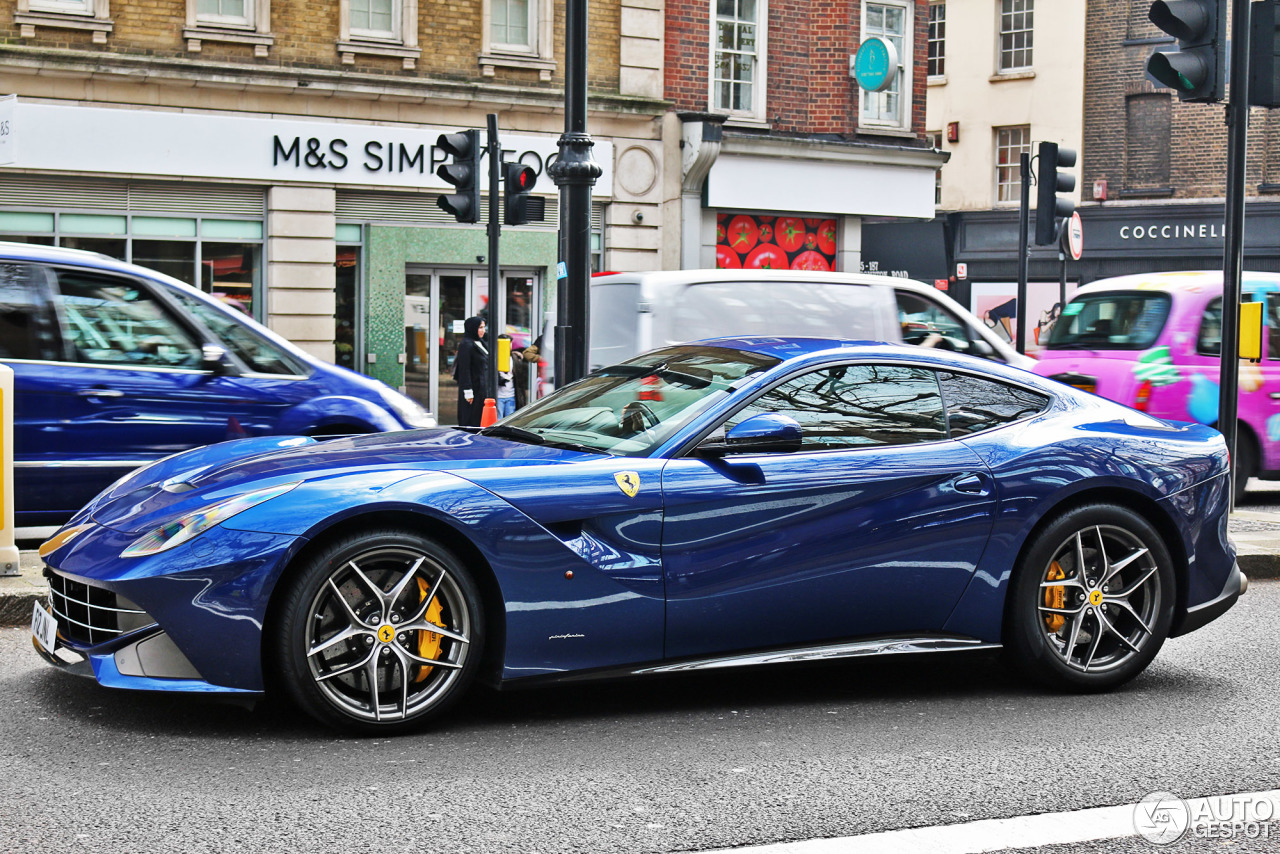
column 971, row 484
column 100, row 392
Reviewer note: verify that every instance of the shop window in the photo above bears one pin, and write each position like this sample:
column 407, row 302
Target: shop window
column 347, row 301
column 754, row 241
column 1146, row 144
column 379, row 28
column 1016, row 36
column 234, row 21
column 937, row 39
column 517, row 34
column 739, row 39
column 222, row 257
column 91, row 15
column 1011, row 144
column 890, row 108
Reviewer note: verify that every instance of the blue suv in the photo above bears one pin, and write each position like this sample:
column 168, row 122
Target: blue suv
column 116, row 366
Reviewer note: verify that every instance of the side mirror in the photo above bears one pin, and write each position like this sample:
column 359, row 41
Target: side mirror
column 770, row 433
column 213, row 359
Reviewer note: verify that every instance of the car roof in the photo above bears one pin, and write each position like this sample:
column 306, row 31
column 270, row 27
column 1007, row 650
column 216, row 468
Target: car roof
column 56, row 254
column 666, row 278
column 1181, row 282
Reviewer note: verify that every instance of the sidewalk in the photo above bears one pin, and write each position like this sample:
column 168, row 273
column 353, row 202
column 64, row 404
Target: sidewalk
column 1256, row 534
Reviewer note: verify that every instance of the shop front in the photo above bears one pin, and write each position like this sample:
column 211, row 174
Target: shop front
column 327, row 232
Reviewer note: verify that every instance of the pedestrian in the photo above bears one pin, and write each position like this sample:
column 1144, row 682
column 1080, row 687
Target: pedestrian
column 506, row 384
column 520, row 372
column 470, row 367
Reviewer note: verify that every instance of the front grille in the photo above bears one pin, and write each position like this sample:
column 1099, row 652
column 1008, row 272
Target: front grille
column 91, row 615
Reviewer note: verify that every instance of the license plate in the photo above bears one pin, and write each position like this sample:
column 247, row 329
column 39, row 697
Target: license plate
column 44, row 627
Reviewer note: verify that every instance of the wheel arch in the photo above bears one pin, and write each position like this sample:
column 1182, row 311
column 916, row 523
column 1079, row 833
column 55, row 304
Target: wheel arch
column 1130, row 500
column 415, row 523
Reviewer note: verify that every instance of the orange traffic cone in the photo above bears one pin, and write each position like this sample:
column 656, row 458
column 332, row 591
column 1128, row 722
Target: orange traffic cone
column 490, row 413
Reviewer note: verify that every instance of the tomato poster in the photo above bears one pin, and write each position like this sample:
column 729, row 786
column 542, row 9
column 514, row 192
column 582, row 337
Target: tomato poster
column 753, row 241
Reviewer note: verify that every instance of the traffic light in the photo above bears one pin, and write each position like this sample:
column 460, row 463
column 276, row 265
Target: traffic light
column 1197, row 68
column 1264, row 54
column 1051, row 181
column 518, row 206
column 463, row 173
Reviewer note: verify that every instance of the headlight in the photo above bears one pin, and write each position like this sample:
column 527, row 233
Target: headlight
column 195, row 523
column 408, row 410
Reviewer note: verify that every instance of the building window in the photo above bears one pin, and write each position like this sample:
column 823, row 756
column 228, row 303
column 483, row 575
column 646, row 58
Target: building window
column 937, row 39
column 889, row 108
column 234, row 21
column 348, row 291
column 379, row 28
column 222, row 257
column 1016, row 36
column 1146, row 144
column 1011, row 144
column 92, row 15
column 517, row 34
column 738, row 45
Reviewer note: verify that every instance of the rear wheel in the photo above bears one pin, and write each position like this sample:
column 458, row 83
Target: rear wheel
column 380, row 632
column 1092, row 601
column 1246, row 463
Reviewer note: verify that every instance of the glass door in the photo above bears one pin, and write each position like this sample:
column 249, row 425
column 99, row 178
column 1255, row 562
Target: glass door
column 436, row 306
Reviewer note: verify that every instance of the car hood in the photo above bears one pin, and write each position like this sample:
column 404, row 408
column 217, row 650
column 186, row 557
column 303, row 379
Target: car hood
column 243, row 466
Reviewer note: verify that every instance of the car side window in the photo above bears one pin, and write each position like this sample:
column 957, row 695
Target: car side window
column 975, row 404
column 260, row 355
column 925, row 322
column 1272, row 310
column 854, row 406
column 115, row 321
column 1209, row 342
column 26, row 322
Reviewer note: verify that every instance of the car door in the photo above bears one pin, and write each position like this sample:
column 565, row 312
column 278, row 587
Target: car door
column 133, row 384
column 874, row 526
column 29, row 344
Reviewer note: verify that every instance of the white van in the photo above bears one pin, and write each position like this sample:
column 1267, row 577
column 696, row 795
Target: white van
column 635, row 312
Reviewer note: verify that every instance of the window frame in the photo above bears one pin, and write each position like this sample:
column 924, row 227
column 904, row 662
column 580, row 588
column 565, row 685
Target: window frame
column 400, row 43
column 1028, row 9
column 253, row 29
column 538, row 55
column 758, row 113
column 936, row 59
column 868, row 121
column 1014, row 166
column 92, row 15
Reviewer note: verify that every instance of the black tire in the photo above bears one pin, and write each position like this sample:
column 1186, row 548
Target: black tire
column 1085, row 634
column 365, row 672
column 1245, row 463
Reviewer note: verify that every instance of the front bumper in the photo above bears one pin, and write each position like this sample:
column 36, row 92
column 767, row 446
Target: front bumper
column 1201, row 615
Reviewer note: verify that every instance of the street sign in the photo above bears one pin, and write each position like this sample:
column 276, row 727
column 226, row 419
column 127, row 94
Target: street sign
column 1075, row 236
column 876, row 64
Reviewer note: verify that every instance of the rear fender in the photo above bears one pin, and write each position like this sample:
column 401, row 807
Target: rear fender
column 338, row 410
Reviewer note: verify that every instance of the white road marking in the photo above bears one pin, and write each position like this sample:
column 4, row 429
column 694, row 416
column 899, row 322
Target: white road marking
column 1026, row 831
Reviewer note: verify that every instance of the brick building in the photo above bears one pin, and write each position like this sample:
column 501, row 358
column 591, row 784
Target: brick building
column 1154, row 172
column 280, row 153
column 774, row 154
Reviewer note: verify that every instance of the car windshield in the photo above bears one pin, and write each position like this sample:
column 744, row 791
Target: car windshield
column 1111, row 321
column 632, row 408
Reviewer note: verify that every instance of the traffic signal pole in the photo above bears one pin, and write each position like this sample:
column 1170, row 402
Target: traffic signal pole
column 1024, row 252
column 495, row 232
column 1233, row 251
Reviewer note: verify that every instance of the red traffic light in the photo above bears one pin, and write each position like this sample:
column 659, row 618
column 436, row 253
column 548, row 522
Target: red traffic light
column 518, row 177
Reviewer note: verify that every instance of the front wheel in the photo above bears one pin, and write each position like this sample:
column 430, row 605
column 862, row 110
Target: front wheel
column 379, row 632
column 1092, row 601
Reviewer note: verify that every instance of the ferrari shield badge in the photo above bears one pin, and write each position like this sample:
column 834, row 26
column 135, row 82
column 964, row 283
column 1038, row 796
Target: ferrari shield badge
column 628, row 482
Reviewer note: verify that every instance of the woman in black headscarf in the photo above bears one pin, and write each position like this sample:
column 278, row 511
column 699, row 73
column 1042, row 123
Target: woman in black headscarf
column 470, row 368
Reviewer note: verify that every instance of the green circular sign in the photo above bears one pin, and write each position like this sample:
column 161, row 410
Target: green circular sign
column 876, row 64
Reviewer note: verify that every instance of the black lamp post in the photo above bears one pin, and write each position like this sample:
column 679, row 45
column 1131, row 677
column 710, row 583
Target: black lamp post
column 575, row 173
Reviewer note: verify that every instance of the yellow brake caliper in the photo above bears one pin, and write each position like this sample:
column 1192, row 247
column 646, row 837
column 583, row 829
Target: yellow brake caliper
column 1054, row 597
column 429, row 642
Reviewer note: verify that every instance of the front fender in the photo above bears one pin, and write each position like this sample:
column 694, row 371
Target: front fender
column 338, row 410
column 555, row 622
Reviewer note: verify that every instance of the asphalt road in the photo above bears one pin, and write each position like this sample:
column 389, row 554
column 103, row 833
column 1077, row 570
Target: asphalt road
column 683, row 764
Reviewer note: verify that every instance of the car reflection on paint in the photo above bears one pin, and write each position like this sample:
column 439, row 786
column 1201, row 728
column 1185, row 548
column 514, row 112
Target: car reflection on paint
column 723, row 503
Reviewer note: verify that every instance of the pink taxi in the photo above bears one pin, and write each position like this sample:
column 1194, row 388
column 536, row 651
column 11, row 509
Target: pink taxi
column 1152, row 340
